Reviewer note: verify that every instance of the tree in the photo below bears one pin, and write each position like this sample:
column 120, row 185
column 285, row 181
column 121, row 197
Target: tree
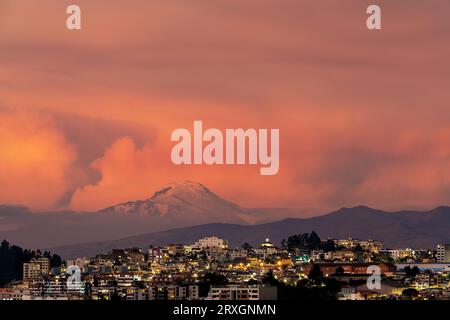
column 328, row 246
column 211, row 279
column 410, row 292
column 4, row 245
column 339, row 271
column 12, row 259
column 304, row 241
column 314, row 241
column 269, row 279
column 316, row 275
column 302, row 283
column 246, row 246
column 55, row 261
column 411, row 272
column 333, row 286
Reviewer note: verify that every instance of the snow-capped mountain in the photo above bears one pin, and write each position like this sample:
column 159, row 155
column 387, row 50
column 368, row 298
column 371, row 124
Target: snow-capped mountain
column 186, row 200
column 175, row 205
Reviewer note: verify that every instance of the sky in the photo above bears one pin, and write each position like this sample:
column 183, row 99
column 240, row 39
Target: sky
column 364, row 116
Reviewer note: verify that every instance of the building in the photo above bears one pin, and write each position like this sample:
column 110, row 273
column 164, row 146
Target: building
column 349, row 268
column 31, row 271
column 11, row 294
column 238, row 254
column 36, row 268
column 155, row 255
column 387, row 288
column 399, row 254
column 238, row 292
column 133, row 293
column 443, row 253
column 211, row 243
column 434, row 267
column 341, row 255
column 266, row 249
column 349, row 293
column 173, row 292
column 81, row 263
column 372, row 246
column 266, row 244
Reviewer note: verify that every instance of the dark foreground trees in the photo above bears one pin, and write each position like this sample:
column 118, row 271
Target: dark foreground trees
column 13, row 257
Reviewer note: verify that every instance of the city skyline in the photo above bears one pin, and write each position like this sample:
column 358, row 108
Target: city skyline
column 303, row 267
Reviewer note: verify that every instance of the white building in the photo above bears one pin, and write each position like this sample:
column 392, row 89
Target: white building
column 211, row 243
column 398, row 254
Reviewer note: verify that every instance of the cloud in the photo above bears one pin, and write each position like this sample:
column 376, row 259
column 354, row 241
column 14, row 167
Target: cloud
column 132, row 173
column 35, row 160
column 123, row 176
column 363, row 115
column 46, row 156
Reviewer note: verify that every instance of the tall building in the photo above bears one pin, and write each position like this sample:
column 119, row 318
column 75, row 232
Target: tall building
column 443, row 253
column 44, row 263
column 36, row 268
column 31, row 271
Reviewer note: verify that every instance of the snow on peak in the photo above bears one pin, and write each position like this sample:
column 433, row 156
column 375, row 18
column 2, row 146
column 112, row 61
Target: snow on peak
column 186, row 200
column 181, row 189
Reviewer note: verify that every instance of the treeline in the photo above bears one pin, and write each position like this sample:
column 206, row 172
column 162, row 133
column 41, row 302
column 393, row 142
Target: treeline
column 12, row 257
column 308, row 241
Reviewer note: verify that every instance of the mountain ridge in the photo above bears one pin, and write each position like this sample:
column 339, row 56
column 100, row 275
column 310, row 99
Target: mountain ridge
column 394, row 229
column 188, row 204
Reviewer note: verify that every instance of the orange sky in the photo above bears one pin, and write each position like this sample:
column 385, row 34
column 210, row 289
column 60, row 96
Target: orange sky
column 364, row 117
